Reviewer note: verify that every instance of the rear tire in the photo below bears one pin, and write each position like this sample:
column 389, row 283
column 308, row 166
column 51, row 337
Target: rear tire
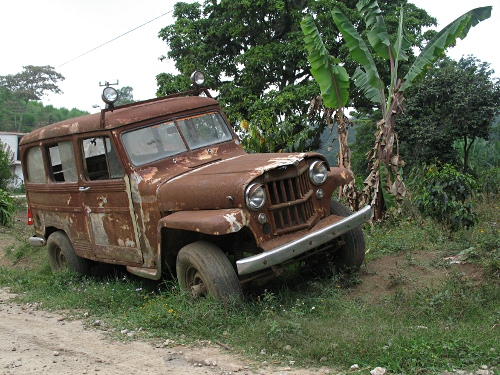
column 203, row 269
column 62, row 256
column 352, row 255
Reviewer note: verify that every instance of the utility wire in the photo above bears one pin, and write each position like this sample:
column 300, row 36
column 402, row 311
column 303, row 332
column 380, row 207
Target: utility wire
column 93, row 49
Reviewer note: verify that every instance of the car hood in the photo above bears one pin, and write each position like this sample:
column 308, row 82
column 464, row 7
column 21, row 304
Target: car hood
column 221, row 184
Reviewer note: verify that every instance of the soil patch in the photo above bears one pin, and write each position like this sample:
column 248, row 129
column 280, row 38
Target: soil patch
column 382, row 277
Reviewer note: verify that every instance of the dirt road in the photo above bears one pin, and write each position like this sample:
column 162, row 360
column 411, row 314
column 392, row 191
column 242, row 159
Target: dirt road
column 34, row 341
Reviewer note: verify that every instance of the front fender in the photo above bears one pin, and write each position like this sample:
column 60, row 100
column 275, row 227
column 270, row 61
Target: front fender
column 214, row 222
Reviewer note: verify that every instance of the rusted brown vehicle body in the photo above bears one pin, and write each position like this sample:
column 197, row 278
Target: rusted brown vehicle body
column 165, row 186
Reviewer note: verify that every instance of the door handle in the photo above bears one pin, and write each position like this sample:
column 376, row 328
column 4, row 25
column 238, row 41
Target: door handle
column 83, row 188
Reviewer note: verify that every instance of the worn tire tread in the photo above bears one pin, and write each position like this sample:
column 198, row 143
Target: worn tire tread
column 218, row 274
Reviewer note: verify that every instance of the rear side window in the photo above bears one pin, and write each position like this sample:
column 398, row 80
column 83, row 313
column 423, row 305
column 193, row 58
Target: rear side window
column 34, row 166
column 101, row 161
column 62, row 162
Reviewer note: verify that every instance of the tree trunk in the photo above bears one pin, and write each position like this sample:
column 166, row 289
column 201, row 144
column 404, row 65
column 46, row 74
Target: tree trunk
column 384, row 155
column 344, row 160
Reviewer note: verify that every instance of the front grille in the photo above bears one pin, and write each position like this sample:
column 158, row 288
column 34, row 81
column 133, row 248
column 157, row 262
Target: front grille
column 291, row 203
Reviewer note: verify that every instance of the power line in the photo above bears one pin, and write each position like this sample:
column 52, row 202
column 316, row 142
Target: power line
column 93, row 49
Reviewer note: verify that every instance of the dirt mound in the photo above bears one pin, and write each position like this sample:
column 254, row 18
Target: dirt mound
column 382, row 277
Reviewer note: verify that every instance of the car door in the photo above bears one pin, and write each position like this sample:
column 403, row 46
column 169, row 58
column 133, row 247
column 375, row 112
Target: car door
column 106, row 198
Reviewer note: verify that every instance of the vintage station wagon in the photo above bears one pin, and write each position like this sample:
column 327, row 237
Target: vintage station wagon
column 164, row 186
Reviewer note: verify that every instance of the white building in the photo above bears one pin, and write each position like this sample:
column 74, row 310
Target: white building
column 10, row 141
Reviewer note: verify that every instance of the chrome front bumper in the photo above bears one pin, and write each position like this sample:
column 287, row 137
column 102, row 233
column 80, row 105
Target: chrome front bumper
column 297, row 247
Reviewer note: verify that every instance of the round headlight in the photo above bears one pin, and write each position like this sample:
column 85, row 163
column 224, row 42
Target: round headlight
column 109, row 95
column 318, row 172
column 255, row 196
column 198, row 78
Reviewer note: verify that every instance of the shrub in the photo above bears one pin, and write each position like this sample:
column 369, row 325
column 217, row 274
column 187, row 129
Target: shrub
column 488, row 181
column 444, row 193
column 5, row 160
column 7, row 209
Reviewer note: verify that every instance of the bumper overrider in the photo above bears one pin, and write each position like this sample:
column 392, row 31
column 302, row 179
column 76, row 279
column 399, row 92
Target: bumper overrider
column 320, row 234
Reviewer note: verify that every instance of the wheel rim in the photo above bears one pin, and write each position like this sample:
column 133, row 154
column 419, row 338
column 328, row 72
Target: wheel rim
column 60, row 259
column 195, row 283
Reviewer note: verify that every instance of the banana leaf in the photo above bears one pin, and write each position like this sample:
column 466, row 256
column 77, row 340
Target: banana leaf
column 360, row 80
column 444, row 39
column 359, row 52
column 332, row 78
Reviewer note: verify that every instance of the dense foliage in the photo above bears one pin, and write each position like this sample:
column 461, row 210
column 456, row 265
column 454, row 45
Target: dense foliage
column 456, row 101
column 7, row 209
column 445, row 194
column 254, row 57
column 5, row 161
column 489, row 181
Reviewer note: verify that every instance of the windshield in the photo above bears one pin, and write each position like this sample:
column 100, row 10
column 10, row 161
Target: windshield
column 162, row 140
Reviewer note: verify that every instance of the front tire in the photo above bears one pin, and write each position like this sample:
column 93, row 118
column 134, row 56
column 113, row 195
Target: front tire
column 203, row 269
column 352, row 255
column 62, row 256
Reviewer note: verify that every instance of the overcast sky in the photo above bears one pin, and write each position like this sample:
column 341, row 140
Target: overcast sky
column 54, row 32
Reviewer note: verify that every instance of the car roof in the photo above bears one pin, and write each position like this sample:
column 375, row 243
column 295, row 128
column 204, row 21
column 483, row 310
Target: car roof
column 119, row 116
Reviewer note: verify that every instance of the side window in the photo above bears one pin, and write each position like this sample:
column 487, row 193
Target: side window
column 34, row 166
column 101, row 161
column 62, row 162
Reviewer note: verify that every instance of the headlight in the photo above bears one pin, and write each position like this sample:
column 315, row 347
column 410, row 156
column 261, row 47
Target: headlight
column 198, row 78
column 109, row 95
column 255, row 196
column 318, row 172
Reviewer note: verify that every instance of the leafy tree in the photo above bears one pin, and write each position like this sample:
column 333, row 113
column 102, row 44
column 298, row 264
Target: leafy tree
column 125, row 95
column 455, row 101
column 31, row 84
column 384, row 184
column 253, row 54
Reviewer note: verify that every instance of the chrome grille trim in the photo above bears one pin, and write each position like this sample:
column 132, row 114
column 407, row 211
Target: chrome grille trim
column 291, row 203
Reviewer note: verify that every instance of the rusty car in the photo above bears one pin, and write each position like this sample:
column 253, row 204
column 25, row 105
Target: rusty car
column 164, row 186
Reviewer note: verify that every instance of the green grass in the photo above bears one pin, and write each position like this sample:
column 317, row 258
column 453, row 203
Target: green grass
column 308, row 322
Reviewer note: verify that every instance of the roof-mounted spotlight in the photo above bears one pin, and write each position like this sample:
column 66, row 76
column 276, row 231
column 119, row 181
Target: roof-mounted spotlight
column 198, row 78
column 109, row 96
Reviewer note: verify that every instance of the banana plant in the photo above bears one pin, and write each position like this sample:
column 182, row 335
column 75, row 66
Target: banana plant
column 333, row 80
column 384, row 183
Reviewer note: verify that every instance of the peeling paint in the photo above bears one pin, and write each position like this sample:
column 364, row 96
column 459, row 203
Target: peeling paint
column 103, row 200
column 73, row 128
column 127, row 243
column 150, row 174
column 234, row 224
column 98, row 232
